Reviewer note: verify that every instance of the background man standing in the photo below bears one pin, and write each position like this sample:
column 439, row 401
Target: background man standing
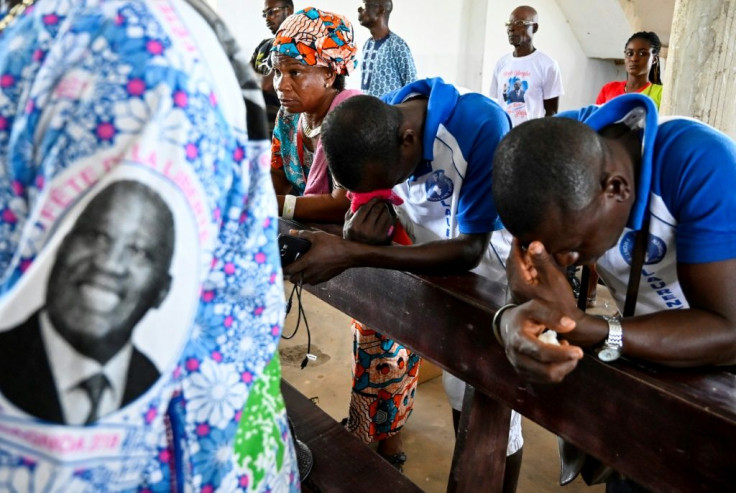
column 537, row 73
column 275, row 12
column 387, row 61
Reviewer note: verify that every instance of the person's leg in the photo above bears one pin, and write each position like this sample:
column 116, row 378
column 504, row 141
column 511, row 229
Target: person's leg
column 385, row 377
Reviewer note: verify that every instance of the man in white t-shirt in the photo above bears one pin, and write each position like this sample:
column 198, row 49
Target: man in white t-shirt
column 527, row 82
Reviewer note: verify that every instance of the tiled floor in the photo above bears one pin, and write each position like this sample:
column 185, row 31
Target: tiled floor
column 428, row 436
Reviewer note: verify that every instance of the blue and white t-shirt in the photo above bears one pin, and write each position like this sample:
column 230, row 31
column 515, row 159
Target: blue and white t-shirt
column 450, row 193
column 686, row 188
column 141, row 299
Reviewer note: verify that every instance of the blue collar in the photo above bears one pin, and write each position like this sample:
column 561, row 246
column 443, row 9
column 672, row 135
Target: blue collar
column 613, row 112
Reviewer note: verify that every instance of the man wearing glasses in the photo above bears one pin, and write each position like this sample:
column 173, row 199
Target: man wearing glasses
column 387, row 61
column 275, row 12
column 526, row 69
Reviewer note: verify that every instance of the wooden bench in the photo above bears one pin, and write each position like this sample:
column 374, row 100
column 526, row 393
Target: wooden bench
column 341, row 461
column 670, row 430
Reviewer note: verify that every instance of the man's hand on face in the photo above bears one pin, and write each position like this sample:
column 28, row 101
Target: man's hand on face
column 533, row 359
column 371, row 224
column 535, row 275
column 327, row 257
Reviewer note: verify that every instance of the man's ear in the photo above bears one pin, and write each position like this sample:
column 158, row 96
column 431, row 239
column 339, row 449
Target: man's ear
column 535, row 28
column 617, row 187
column 408, row 138
column 330, row 76
column 163, row 292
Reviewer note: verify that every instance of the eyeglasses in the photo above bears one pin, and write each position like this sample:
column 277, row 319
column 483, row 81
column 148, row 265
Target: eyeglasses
column 519, row 23
column 641, row 53
column 273, row 11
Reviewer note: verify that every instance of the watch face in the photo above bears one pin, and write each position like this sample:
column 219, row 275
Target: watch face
column 609, row 354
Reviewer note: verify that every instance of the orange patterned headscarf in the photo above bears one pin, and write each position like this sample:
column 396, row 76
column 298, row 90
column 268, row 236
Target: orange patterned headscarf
column 318, row 38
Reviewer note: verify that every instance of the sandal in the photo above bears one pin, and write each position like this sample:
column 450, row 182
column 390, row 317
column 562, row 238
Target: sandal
column 396, row 460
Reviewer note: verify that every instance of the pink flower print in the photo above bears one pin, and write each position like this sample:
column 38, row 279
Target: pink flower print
column 30, row 106
column 192, row 364
column 260, row 257
column 208, row 488
column 50, row 19
column 3, row 123
column 9, row 217
column 243, row 481
column 275, row 330
column 238, row 415
column 228, row 321
column 203, row 429
column 258, row 311
column 181, row 99
column 213, row 99
column 238, row 154
column 38, row 55
column 105, row 131
column 246, row 377
column 119, row 20
column 208, row 296
column 155, row 47
column 24, row 264
column 150, row 415
column 164, row 456
column 6, row 80
column 229, row 268
column 17, row 188
column 191, row 151
column 136, row 87
column 217, row 356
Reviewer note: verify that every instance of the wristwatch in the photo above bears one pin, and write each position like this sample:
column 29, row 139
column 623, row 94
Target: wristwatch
column 611, row 349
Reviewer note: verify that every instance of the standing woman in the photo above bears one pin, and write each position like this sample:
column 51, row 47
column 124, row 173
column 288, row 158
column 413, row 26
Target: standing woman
column 312, row 53
column 642, row 70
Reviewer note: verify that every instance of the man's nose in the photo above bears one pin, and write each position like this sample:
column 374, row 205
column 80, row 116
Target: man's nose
column 112, row 259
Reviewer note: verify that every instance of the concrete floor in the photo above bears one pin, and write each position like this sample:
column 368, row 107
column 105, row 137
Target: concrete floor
column 428, row 435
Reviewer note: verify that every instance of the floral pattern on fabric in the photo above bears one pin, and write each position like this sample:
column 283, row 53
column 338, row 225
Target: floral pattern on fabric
column 92, row 89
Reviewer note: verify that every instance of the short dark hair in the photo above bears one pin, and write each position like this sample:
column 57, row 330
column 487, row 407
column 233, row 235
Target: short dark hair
column 656, row 44
column 542, row 164
column 339, row 82
column 361, row 131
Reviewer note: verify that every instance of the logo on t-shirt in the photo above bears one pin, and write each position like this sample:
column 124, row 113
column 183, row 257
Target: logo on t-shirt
column 656, row 248
column 438, row 186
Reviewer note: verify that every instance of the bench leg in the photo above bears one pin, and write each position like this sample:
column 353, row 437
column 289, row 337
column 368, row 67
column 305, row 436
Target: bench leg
column 479, row 459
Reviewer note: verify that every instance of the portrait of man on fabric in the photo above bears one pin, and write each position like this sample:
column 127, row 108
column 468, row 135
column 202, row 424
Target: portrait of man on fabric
column 76, row 351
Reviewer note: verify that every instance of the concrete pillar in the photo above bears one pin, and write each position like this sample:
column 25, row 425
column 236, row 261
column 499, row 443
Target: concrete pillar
column 700, row 80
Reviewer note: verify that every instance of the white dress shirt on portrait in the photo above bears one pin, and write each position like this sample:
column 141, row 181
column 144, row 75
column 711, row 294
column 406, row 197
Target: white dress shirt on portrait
column 69, row 368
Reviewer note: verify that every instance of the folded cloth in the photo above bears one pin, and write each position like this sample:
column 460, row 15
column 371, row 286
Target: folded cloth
column 398, row 233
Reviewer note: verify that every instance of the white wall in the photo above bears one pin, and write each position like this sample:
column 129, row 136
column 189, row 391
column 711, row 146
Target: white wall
column 459, row 40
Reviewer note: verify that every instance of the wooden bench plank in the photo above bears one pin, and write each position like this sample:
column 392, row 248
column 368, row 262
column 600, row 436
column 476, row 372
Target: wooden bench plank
column 341, row 461
column 670, row 430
